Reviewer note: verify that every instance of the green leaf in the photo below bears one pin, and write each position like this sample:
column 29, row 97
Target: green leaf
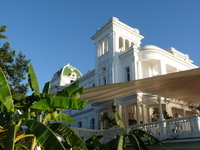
column 64, row 118
column 134, row 141
column 118, row 118
column 33, row 80
column 67, row 92
column 76, row 94
column 59, row 102
column 44, row 135
column 24, row 136
column 46, row 88
column 55, row 116
column 10, row 137
column 112, row 144
column 141, row 133
column 18, row 96
column 121, row 142
column 70, row 136
column 20, row 147
column 96, row 144
column 5, row 94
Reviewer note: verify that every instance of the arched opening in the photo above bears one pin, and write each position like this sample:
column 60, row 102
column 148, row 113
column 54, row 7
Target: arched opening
column 121, row 43
column 126, row 44
column 79, row 124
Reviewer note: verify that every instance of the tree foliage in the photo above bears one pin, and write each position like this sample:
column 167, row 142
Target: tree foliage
column 155, row 114
column 14, row 65
column 35, row 112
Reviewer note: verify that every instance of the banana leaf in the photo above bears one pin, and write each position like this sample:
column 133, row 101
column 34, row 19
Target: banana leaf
column 59, row 102
column 46, row 88
column 8, row 141
column 96, row 144
column 118, row 118
column 20, row 147
column 76, row 93
column 141, row 133
column 5, row 94
column 121, row 142
column 70, row 136
column 134, row 141
column 112, row 144
column 44, row 135
column 67, row 92
column 32, row 79
column 55, row 116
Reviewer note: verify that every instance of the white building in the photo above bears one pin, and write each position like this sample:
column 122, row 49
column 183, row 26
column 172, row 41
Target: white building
column 120, row 58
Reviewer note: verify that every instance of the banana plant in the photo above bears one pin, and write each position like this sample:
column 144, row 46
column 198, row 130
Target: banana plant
column 49, row 107
column 134, row 137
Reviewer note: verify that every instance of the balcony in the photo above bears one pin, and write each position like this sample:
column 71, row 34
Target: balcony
column 179, row 128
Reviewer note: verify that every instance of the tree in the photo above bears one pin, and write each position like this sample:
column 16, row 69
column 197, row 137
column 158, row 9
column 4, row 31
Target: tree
column 34, row 112
column 155, row 114
column 13, row 65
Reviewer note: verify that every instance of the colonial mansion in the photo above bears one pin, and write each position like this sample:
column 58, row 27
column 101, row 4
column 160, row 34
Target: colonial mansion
column 121, row 57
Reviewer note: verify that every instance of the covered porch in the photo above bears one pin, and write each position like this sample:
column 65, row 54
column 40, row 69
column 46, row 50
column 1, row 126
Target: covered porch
column 183, row 86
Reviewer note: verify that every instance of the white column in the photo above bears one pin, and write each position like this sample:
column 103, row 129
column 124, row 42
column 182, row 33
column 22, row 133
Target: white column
column 138, row 112
column 125, row 116
column 160, row 109
column 102, row 47
column 161, row 67
column 134, row 112
column 124, row 44
column 101, row 122
column 140, row 70
column 134, row 65
column 144, row 113
column 161, row 120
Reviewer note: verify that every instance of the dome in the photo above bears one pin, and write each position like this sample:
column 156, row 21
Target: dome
column 68, row 71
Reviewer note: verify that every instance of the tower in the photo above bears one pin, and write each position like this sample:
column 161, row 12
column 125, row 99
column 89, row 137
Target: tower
column 113, row 41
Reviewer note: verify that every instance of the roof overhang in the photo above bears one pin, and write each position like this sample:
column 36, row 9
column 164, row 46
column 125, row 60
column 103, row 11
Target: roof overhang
column 184, row 85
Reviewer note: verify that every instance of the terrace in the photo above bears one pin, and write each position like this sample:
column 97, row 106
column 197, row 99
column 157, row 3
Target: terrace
column 182, row 85
column 178, row 128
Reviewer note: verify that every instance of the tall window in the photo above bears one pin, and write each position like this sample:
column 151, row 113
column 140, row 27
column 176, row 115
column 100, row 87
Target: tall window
column 127, row 74
column 92, row 123
column 121, row 43
column 103, row 47
column 104, row 81
column 79, row 125
column 126, row 44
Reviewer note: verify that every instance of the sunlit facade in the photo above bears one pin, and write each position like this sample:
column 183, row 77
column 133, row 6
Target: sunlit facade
column 120, row 57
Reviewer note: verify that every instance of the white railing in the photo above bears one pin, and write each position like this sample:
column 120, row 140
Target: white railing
column 183, row 127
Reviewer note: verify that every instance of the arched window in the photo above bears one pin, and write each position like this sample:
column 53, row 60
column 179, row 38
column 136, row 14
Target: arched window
column 121, row 43
column 79, row 124
column 92, row 123
column 126, row 44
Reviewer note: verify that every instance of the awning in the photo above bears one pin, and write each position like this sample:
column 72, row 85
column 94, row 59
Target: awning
column 184, row 85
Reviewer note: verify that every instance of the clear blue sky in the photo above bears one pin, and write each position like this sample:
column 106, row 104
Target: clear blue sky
column 53, row 33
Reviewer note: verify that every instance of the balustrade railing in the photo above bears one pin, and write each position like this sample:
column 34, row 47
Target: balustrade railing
column 183, row 127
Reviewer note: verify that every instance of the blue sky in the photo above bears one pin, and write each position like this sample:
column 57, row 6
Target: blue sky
column 53, row 33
